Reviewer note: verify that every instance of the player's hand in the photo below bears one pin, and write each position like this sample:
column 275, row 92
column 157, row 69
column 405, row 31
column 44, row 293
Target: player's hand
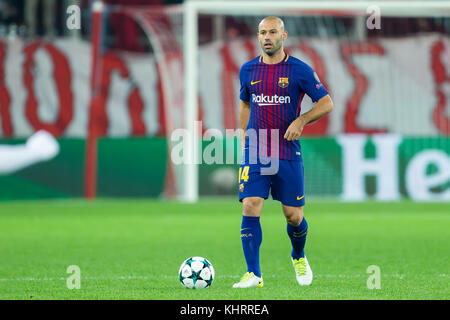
column 294, row 131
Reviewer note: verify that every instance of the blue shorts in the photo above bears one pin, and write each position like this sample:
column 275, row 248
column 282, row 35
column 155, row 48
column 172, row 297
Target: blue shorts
column 287, row 184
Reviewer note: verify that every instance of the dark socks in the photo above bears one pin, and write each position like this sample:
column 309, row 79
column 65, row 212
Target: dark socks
column 298, row 238
column 251, row 237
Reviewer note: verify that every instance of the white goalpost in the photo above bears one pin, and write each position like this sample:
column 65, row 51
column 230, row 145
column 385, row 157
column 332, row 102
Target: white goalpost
column 192, row 10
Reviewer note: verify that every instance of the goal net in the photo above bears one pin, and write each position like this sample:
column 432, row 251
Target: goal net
column 386, row 66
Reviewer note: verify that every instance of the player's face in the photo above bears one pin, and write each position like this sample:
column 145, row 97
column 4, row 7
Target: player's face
column 271, row 36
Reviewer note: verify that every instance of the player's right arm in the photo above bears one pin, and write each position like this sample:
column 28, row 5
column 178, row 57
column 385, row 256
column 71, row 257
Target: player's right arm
column 244, row 104
column 244, row 116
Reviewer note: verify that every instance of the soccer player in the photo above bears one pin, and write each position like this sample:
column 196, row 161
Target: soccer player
column 272, row 87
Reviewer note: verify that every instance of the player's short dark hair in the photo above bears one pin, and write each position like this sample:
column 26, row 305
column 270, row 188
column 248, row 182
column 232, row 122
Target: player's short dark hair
column 274, row 18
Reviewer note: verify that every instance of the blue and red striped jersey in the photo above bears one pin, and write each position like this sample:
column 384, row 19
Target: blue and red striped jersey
column 275, row 93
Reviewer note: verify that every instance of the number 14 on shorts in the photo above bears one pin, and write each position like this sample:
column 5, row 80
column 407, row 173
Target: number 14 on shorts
column 243, row 173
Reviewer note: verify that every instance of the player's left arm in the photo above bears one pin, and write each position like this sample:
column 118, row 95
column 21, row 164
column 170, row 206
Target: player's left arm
column 311, row 85
column 321, row 108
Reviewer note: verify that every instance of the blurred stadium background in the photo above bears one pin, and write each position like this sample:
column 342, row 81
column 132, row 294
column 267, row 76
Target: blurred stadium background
column 113, row 91
column 120, row 80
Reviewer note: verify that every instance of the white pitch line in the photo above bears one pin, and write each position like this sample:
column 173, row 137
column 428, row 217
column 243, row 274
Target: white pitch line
column 131, row 277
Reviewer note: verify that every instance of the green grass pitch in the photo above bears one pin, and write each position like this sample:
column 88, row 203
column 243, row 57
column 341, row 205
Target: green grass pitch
column 132, row 249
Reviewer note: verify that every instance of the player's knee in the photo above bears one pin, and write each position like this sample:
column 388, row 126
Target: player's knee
column 294, row 215
column 252, row 206
column 294, row 220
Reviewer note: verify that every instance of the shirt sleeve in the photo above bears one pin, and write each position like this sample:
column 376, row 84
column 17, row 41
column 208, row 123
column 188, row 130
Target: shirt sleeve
column 311, row 84
column 244, row 94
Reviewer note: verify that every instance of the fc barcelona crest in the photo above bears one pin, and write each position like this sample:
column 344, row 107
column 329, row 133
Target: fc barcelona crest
column 283, row 82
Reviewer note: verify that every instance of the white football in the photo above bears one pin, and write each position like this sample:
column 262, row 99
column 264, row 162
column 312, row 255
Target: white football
column 196, row 273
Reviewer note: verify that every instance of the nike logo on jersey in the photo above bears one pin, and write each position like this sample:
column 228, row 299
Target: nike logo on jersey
column 300, row 198
column 255, row 82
